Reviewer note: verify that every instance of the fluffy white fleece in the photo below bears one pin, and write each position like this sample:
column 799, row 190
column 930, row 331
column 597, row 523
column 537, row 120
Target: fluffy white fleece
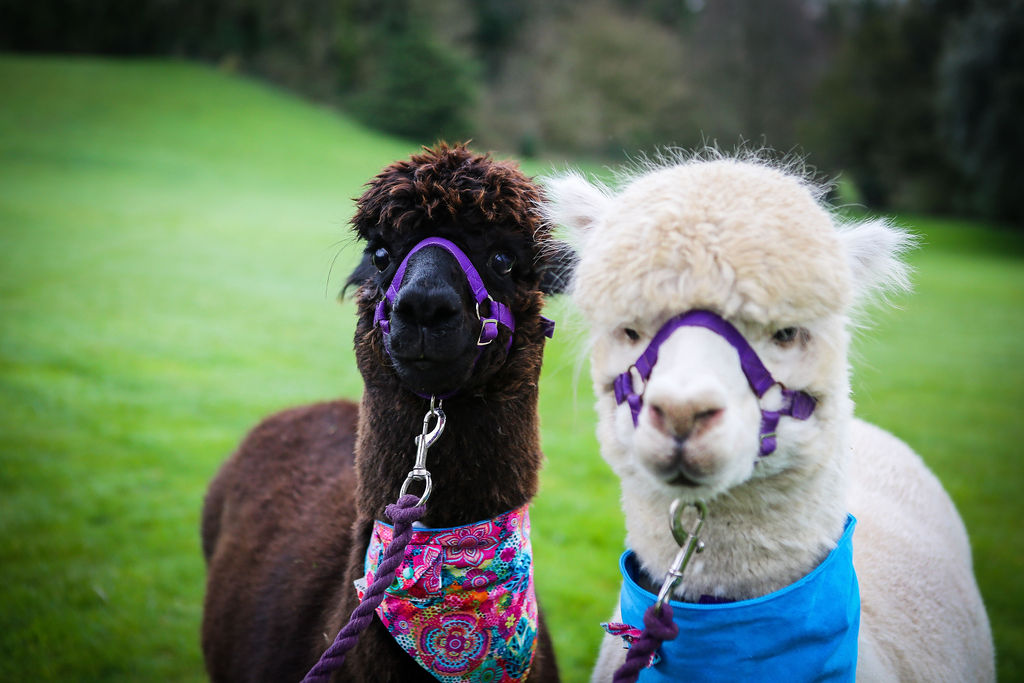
column 753, row 243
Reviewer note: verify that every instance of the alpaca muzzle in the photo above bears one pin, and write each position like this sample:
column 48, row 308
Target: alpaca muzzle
column 497, row 312
column 796, row 404
column 491, row 314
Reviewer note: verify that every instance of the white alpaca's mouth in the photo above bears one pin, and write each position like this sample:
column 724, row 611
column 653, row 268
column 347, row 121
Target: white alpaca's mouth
column 701, row 467
column 683, row 480
column 678, row 476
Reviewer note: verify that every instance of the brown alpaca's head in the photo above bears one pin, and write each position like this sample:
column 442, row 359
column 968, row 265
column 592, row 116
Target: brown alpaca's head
column 489, row 211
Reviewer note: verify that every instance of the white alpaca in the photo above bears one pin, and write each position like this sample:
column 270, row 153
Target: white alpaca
column 753, row 244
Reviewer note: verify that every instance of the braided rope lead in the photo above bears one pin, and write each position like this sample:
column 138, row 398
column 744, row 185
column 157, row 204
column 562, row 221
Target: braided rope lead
column 403, row 513
column 658, row 628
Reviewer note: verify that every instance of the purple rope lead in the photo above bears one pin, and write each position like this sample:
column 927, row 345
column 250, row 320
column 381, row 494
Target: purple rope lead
column 403, row 514
column 658, row 628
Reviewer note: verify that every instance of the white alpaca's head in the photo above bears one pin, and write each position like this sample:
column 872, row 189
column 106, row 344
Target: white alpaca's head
column 753, row 244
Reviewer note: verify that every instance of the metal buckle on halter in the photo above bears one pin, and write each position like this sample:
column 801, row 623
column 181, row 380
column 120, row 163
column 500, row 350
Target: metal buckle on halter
column 424, row 441
column 689, row 543
column 486, row 321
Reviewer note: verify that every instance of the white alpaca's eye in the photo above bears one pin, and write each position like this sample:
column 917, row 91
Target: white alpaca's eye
column 786, row 335
column 631, row 334
column 502, row 262
column 381, row 259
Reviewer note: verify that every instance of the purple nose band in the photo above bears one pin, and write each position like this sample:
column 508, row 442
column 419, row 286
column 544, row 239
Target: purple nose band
column 796, row 404
column 498, row 313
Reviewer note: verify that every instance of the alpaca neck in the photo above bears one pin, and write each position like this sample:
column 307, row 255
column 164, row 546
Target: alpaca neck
column 484, row 463
column 759, row 537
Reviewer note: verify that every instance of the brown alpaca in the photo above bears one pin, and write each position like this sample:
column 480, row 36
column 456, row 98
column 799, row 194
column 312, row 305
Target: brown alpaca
column 287, row 520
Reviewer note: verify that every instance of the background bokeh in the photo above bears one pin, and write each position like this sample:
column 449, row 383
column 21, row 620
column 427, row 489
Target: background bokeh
column 175, row 184
column 916, row 102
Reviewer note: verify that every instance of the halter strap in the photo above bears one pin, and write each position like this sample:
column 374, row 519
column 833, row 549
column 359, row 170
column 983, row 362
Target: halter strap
column 496, row 313
column 795, row 404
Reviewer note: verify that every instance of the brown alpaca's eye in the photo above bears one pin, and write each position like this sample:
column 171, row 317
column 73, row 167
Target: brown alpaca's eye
column 381, row 259
column 631, row 334
column 786, row 335
column 502, row 262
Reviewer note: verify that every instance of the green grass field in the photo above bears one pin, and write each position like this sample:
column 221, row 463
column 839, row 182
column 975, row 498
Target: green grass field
column 167, row 236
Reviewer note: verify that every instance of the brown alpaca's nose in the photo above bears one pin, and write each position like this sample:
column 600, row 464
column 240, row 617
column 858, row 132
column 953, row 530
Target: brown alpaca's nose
column 432, row 296
column 682, row 419
column 428, row 304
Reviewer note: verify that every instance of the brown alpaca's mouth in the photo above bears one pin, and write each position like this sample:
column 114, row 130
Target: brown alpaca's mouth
column 431, row 374
column 431, row 379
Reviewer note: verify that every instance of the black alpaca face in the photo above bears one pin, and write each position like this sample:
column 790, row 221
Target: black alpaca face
column 433, row 344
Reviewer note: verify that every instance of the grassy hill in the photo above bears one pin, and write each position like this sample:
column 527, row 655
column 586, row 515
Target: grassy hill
column 171, row 243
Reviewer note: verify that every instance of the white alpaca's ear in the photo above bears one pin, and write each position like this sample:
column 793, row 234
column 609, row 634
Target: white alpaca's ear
column 574, row 202
column 875, row 250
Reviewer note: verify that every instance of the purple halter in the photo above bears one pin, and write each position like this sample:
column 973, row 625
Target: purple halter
column 796, row 404
column 497, row 312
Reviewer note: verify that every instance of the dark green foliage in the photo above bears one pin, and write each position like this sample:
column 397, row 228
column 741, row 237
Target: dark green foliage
column 876, row 117
column 914, row 101
column 753, row 64
column 611, row 83
column 423, row 90
column 981, row 101
column 497, row 25
column 83, row 26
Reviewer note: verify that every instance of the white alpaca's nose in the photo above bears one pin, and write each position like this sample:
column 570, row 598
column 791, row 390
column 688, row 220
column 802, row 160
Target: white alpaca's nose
column 680, row 419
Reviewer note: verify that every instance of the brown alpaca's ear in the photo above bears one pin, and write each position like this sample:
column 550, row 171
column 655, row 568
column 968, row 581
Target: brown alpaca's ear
column 363, row 272
column 559, row 261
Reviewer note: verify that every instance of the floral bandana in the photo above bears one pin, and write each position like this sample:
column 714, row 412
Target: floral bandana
column 463, row 602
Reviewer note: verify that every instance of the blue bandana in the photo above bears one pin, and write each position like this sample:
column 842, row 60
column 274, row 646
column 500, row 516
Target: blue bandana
column 806, row 631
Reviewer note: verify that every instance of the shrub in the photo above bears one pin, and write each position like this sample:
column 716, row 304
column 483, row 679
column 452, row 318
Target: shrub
column 422, row 89
column 980, row 99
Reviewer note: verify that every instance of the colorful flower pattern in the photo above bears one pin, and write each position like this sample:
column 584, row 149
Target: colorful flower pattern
column 463, row 602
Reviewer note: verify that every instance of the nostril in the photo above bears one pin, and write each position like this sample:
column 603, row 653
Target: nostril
column 707, row 416
column 682, row 420
column 673, row 420
column 705, row 419
column 657, row 418
column 427, row 308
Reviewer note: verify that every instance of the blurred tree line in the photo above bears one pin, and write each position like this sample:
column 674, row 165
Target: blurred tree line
column 917, row 102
